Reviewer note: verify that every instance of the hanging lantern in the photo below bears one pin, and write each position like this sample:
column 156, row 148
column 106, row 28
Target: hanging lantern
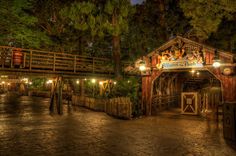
column 142, row 66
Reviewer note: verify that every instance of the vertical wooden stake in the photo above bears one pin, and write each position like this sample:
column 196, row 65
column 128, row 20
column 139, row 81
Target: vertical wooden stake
column 93, row 65
column 12, row 58
column 24, row 59
column 60, row 104
column 54, row 61
column 75, row 64
column 30, row 65
column 53, row 96
column 82, row 87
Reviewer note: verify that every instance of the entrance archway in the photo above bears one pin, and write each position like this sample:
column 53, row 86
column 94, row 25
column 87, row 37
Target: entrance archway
column 179, row 54
column 196, row 92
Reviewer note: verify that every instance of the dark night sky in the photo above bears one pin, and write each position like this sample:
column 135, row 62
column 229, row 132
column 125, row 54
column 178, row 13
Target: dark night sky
column 137, row 1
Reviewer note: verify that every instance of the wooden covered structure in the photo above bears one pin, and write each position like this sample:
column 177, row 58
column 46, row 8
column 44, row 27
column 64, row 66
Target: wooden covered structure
column 183, row 61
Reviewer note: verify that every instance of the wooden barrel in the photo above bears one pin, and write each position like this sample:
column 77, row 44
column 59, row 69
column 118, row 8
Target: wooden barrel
column 17, row 57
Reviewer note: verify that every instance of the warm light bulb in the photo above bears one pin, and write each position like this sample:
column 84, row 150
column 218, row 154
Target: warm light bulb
column 101, row 83
column 49, row 81
column 216, row 64
column 77, row 82
column 93, row 80
column 142, row 68
column 114, row 82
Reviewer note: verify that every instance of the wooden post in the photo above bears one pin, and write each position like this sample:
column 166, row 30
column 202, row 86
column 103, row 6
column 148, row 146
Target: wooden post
column 74, row 64
column 30, row 65
column 93, row 64
column 24, row 57
column 60, row 104
column 54, row 62
column 53, row 97
column 82, row 88
column 12, row 58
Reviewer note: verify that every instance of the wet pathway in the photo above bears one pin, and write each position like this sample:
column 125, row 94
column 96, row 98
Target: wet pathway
column 27, row 128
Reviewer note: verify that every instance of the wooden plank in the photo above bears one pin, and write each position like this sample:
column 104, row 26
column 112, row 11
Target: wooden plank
column 93, row 65
column 30, row 64
column 74, row 64
column 54, row 60
column 24, row 57
column 11, row 58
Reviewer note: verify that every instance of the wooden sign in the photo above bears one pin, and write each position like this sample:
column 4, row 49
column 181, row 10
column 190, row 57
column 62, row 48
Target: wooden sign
column 180, row 58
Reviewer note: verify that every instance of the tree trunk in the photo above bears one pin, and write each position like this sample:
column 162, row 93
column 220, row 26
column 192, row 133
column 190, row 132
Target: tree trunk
column 162, row 20
column 116, row 55
column 116, row 48
column 80, row 46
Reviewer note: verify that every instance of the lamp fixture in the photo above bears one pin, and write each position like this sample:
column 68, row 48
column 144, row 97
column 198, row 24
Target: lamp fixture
column 142, row 66
column 93, row 80
column 216, row 60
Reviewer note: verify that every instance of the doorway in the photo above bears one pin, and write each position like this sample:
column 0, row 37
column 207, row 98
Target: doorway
column 191, row 92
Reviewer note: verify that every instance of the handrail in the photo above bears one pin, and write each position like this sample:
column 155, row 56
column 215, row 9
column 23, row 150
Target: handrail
column 163, row 102
column 37, row 60
column 43, row 51
column 165, row 96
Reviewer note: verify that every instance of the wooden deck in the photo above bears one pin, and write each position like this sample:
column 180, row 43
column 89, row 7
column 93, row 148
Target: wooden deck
column 27, row 61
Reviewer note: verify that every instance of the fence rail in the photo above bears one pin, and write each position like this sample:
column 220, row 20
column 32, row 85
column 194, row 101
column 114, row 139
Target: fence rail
column 37, row 60
column 160, row 103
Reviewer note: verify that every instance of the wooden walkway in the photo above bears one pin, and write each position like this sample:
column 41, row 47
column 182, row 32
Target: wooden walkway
column 28, row 61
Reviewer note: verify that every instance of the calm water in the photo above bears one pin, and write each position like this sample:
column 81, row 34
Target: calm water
column 27, row 128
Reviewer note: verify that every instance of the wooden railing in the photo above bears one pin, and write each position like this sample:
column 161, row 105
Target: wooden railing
column 54, row 62
column 160, row 103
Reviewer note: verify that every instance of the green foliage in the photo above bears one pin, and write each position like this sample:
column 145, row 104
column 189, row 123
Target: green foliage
column 18, row 26
column 91, row 89
column 225, row 37
column 84, row 16
column 153, row 24
column 129, row 88
column 38, row 83
column 206, row 16
column 117, row 16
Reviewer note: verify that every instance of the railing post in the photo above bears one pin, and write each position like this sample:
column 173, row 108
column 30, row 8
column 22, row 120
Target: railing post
column 93, row 64
column 54, row 62
column 30, row 65
column 24, row 57
column 11, row 58
column 75, row 64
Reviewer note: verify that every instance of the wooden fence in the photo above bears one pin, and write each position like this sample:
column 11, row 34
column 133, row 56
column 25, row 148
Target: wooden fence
column 120, row 107
column 160, row 103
